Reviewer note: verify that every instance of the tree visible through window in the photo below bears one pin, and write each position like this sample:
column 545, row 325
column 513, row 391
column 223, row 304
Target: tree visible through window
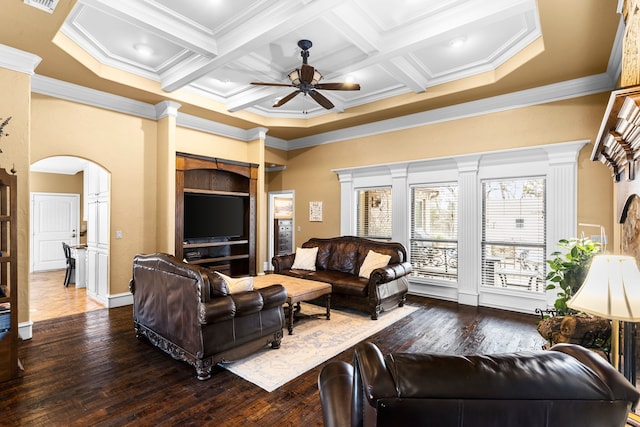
column 373, row 213
column 514, row 233
column 434, row 231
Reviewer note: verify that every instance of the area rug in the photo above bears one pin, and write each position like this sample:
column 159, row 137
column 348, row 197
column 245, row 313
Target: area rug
column 313, row 342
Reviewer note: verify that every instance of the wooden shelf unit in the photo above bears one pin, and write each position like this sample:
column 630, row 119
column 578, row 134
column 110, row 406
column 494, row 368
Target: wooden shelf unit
column 618, row 142
column 9, row 337
column 206, row 175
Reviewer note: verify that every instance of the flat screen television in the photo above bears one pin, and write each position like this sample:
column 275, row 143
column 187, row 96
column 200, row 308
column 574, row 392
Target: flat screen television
column 214, row 216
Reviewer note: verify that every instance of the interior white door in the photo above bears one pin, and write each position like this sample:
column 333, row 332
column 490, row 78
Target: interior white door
column 54, row 219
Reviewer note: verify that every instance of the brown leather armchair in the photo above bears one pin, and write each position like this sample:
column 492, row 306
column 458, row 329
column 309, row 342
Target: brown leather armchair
column 565, row 386
column 187, row 311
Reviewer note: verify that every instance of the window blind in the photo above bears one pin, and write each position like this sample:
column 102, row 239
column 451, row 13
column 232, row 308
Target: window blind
column 434, row 231
column 374, row 213
column 514, row 233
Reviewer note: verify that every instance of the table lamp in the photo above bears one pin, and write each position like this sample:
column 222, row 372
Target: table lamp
column 612, row 290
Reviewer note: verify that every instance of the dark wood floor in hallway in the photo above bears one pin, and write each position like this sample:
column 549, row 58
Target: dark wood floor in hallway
column 89, row 369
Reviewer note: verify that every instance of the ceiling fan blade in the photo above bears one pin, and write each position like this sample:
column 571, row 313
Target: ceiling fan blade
column 286, row 99
column 338, row 86
column 272, row 84
column 306, row 73
column 320, row 99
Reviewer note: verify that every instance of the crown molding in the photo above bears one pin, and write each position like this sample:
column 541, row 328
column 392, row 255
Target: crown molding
column 18, row 60
column 603, row 82
column 209, row 126
column 83, row 95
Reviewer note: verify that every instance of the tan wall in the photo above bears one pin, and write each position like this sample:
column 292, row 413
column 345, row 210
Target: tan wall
column 124, row 146
column 40, row 182
column 204, row 144
column 308, row 171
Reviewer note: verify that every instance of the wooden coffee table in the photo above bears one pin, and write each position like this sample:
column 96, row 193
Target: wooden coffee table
column 298, row 290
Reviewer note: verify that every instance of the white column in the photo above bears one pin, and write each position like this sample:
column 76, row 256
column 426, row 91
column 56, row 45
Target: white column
column 346, row 202
column 469, row 217
column 562, row 196
column 399, row 192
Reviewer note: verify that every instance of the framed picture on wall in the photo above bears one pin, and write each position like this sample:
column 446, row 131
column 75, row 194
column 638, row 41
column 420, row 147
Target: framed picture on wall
column 315, row 211
column 282, row 207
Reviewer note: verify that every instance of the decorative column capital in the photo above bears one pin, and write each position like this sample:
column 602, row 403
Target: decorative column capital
column 166, row 109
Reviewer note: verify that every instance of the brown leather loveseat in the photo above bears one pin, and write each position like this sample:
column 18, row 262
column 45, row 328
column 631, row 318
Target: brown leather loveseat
column 338, row 262
column 188, row 312
column 565, row 386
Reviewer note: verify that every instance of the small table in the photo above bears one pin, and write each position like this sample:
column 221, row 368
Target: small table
column 298, row 290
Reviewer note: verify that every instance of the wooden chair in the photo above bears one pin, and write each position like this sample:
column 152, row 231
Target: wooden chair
column 71, row 265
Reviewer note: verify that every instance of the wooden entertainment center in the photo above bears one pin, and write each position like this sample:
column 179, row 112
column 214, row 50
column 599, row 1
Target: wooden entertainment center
column 229, row 251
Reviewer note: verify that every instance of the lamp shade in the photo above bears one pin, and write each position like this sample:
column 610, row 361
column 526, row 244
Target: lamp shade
column 611, row 289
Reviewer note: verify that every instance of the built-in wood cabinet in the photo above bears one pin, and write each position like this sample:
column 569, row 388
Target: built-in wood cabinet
column 215, row 213
column 8, row 277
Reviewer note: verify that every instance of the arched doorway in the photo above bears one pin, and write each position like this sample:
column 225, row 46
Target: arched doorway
column 54, row 183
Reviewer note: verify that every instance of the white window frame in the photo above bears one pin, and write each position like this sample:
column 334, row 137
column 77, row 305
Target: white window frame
column 437, row 256
column 556, row 161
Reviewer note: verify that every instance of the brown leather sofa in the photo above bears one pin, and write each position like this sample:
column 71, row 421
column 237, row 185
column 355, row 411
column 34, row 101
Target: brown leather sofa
column 565, row 386
column 338, row 262
column 187, row 311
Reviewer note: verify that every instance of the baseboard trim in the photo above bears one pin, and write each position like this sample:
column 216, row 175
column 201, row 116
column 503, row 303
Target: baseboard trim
column 25, row 330
column 119, row 300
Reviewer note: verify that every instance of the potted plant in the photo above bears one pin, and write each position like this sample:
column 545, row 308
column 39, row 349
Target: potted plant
column 567, row 271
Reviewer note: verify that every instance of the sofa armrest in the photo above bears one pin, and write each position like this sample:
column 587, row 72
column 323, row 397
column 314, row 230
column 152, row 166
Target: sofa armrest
column 617, row 383
column 372, row 379
column 389, row 273
column 282, row 262
column 273, row 296
column 335, row 384
column 217, row 310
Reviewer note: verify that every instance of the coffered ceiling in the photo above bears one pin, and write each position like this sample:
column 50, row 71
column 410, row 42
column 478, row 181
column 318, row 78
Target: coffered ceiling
column 407, row 55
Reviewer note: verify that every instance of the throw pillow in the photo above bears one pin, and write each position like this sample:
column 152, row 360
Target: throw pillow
column 372, row 261
column 305, row 259
column 240, row 284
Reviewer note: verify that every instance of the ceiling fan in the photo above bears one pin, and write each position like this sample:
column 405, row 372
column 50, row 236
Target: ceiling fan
column 307, row 81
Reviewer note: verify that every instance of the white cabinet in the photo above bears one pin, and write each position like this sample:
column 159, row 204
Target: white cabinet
column 97, row 215
column 80, row 255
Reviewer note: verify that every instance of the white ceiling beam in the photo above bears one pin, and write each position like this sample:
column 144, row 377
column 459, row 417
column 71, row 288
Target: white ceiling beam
column 405, row 72
column 253, row 96
column 280, row 20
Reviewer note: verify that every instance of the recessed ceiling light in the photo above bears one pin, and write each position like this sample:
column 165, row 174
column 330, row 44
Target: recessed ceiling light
column 350, row 79
column 143, row 49
column 457, row 42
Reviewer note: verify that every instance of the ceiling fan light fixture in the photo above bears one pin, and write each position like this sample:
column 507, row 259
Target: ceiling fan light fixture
column 294, row 76
column 316, row 77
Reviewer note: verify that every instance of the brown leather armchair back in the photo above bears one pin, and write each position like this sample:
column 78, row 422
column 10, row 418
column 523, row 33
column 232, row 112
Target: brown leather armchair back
column 566, row 386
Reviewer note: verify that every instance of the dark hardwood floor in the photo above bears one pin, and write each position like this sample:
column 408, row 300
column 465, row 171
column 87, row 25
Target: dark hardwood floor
column 89, row 369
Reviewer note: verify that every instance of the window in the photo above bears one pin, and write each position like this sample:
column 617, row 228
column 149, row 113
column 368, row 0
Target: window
column 373, row 213
column 434, row 231
column 514, row 234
